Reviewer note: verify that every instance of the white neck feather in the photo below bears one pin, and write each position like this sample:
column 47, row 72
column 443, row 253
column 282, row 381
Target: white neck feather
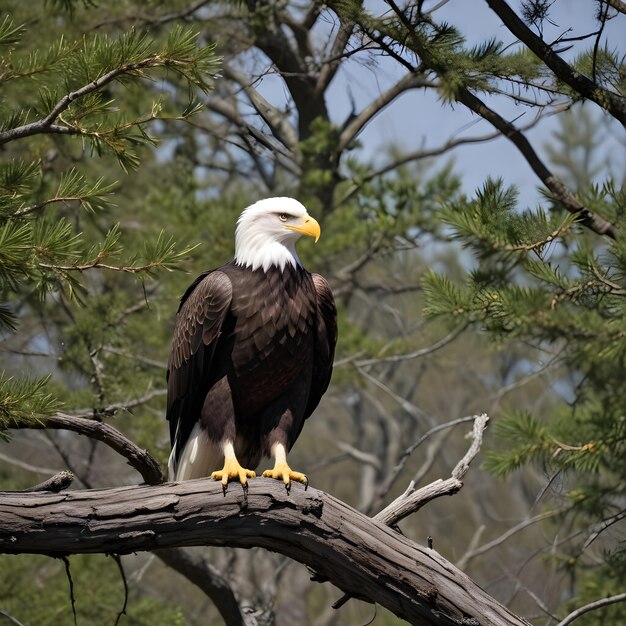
column 254, row 250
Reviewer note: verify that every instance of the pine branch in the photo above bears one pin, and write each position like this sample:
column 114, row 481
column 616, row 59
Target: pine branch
column 463, row 95
column 560, row 192
column 73, row 187
column 589, row 89
column 180, row 54
column 44, row 125
column 24, row 401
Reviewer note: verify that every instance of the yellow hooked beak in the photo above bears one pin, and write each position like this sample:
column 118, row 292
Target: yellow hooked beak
column 308, row 227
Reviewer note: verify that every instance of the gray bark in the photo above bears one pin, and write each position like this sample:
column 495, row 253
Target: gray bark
column 358, row 554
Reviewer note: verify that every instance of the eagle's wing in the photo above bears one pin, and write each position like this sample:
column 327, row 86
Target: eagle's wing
column 198, row 327
column 325, row 341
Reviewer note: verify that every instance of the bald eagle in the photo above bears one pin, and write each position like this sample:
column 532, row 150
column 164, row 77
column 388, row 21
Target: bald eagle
column 252, row 352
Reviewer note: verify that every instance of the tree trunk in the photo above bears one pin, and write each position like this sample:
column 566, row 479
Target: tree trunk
column 358, row 554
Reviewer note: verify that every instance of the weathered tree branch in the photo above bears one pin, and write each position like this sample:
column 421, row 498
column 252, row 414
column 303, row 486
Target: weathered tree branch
column 376, row 106
column 276, row 120
column 361, row 556
column 58, row 482
column 413, row 499
column 137, row 458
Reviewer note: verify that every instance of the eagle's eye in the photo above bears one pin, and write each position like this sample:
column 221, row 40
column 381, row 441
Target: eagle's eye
column 283, row 217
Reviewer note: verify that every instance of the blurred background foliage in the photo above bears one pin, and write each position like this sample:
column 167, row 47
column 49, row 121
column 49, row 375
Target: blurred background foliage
column 450, row 303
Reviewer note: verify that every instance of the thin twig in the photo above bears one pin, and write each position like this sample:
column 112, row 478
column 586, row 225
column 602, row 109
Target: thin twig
column 11, row 618
column 417, row 354
column 68, row 573
column 592, row 606
column 412, row 500
column 118, row 559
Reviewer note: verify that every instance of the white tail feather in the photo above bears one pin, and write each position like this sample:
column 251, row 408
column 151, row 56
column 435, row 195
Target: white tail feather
column 199, row 457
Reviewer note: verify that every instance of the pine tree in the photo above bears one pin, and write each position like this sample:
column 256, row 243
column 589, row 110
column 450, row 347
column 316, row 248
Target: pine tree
column 68, row 101
column 78, row 260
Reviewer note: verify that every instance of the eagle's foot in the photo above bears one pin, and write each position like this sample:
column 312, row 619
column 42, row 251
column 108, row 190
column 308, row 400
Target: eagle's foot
column 233, row 471
column 283, row 472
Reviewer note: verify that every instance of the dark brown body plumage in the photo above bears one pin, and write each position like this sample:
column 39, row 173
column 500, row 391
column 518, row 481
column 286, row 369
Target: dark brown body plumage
column 251, row 356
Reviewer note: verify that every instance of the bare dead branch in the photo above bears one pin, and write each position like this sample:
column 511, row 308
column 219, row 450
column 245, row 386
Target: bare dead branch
column 111, row 409
column 356, row 124
column 474, row 551
column 137, row 458
column 56, row 483
column 359, row 455
column 335, row 55
column 358, row 554
column 592, row 606
column 276, row 120
column 618, row 5
column 599, row 528
column 413, row 499
column 416, row 354
column 10, row 618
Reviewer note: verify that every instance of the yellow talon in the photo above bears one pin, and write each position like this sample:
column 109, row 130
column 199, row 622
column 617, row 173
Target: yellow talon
column 231, row 471
column 283, row 472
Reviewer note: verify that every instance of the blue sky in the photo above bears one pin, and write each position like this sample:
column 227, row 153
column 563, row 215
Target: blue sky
column 421, row 120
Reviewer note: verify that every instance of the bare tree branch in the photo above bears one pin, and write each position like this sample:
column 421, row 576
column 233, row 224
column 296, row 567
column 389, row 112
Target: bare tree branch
column 356, row 124
column 592, row 606
column 608, row 100
column 333, row 61
column 277, row 121
column 356, row 553
column 137, row 458
column 412, row 500
column 509, row 130
column 474, row 551
column 618, row 5
column 417, row 354
column 55, row 483
column 29, row 467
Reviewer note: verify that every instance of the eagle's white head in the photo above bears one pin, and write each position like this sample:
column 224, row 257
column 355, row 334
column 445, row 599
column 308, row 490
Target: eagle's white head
column 267, row 232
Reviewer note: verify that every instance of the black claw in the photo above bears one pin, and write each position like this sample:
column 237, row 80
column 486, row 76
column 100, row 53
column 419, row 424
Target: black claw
column 288, row 488
column 224, row 488
column 306, row 483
